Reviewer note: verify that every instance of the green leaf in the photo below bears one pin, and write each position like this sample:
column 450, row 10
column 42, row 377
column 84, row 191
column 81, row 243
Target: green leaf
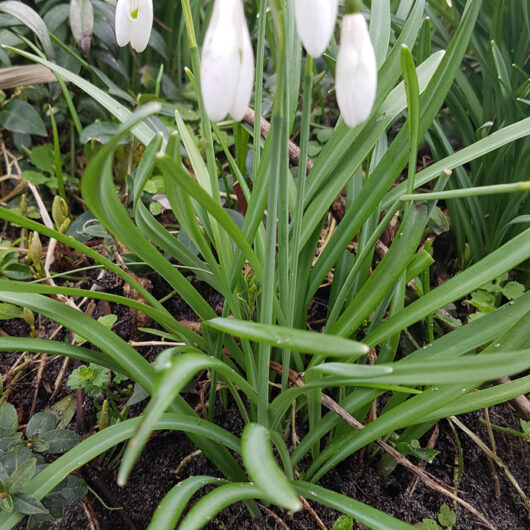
column 169, row 385
column 293, row 339
column 8, row 420
column 64, row 411
column 19, row 479
column 513, row 290
column 40, row 423
column 88, row 449
column 431, row 372
column 17, row 271
column 34, row 177
column 428, row 524
column 446, row 517
column 172, row 506
column 344, row 522
column 361, row 512
column 413, row 448
column 32, row 20
column 256, row 450
column 503, row 259
column 7, row 504
column 60, row 440
column 215, row 501
column 42, row 158
column 142, row 131
column 525, row 427
column 21, row 117
column 101, row 132
column 28, row 505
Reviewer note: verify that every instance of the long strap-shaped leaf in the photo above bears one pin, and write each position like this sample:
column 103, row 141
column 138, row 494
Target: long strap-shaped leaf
column 359, row 511
column 256, row 450
column 459, row 342
column 56, row 347
column 503, row 259
column 98, row 443
column 141, row 130
column 97, row 187
column 168, row 387
column 386, row 274
column 162, row 318
column 172, row 506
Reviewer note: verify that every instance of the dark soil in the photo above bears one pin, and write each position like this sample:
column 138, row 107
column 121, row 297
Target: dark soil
column 356, row 477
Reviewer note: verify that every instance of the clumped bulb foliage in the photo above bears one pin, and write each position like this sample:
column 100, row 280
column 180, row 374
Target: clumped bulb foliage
column 315, row 22
column 227, row 62
column 134, row 21
column 356, row 71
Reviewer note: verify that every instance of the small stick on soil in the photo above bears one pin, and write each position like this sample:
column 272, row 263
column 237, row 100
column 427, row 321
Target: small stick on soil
column 184, row 462
column 90, row 515
column 430, row 445
column 494, row 457
column 275, row 516
column 313, row 514
column 40, row 371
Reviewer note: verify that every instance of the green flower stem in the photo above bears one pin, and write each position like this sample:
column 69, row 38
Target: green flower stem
column 278, row 128
column 258, row 86
column 352, row 6
column 298, row 213
column 516, row 187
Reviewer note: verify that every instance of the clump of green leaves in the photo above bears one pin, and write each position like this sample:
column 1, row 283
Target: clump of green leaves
column 446, row 518
column 490, row 295
column 21, row 459
column 93, row 379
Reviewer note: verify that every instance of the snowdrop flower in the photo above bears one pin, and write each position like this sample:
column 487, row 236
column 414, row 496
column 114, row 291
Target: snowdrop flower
column 227, row 62
column 315, row 22
column 356, row 71
column 134, row 20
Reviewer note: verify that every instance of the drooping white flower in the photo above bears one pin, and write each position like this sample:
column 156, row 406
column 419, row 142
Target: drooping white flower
column 356, row 71
column 227, row 62
column 134, row 21
column 315, row 22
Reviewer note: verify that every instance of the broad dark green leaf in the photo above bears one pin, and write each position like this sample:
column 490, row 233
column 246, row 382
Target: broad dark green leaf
column 19, row 116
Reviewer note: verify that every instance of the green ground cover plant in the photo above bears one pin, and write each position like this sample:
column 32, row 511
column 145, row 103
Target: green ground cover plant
column 154, row 144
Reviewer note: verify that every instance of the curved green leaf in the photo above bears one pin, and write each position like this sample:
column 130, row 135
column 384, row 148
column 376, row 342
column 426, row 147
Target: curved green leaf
column 256, row 450
column 359, row 511
column 293, row 339
column 172, row 506
column 32, row 20
column 169, row 385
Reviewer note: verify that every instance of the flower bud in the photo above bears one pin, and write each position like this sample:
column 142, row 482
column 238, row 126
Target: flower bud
column 356, row 71
column 227, row 62
column 315, row 22
column 134, row 21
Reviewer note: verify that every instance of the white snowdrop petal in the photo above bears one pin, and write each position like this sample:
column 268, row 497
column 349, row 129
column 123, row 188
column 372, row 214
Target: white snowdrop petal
column 122, row 23
column 227, row 62
column 356, row 71
column 142, row 26
column 315, row 22
column 245, row 80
